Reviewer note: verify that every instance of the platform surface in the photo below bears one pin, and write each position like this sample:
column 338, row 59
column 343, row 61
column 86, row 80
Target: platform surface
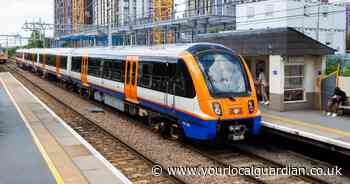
column 38, row 147
column 21, row 161
column 312, row 124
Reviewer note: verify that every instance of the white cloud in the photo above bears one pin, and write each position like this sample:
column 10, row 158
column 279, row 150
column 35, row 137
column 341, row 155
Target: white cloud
column 14, row 13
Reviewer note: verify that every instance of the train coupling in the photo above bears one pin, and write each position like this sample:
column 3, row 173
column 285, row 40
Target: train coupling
column 236, row 132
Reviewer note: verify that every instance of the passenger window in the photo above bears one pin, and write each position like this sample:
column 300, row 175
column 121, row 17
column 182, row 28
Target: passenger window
column 171, row 72
column 94, row 67
column 76, row 64
column 133, row 80
column 145, row 74
column 50, row 60
column 116, row 70
column 63, row 62
column 41, row 58
column 183, row 81
column 34, row 57
column 160, row 77
column 128, row 72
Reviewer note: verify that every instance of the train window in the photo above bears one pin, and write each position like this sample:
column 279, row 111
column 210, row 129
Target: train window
column 76, row 64
column 183, row 81
column 117, row 71
column 133, row 81
column 35, row 57
column 41, row 58
column 145, row 74
column 53, row 60
column 113, row 70
column 154, row 76
column 47, row 59
column 171, row 72
column 94, row 67
column 50, row 60
column 63, row 62
column 127, row 72
column 224, row 73
column 107, row 72
column 160, row 77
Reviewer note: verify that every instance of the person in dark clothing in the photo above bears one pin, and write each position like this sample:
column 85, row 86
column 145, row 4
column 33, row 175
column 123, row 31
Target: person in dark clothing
column 338, row 97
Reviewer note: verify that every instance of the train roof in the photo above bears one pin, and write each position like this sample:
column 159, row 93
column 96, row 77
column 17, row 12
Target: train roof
column 169, row 50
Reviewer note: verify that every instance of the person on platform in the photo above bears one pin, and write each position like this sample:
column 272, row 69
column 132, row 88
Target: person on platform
column 338, row 97
column 263, row 84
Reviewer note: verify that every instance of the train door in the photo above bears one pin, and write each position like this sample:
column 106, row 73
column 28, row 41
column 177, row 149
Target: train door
column 170, row 96
column 58, row 65
column 42, row 57
column 84, row 70
column 131, row 75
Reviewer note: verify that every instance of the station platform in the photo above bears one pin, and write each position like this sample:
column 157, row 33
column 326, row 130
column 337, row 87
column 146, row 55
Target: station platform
column 310, row 124
column 36, row 146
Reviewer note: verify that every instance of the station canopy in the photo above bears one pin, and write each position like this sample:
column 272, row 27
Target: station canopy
column 77, row 37
column 276, row 41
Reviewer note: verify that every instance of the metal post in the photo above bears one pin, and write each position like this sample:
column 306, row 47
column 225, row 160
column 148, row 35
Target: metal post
column 43, row 37
column 110, row 39
column 7, row 45
column 318, row 22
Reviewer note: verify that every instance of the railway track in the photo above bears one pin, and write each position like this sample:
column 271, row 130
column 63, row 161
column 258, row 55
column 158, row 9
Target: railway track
column 136, row 167
column 232, row 156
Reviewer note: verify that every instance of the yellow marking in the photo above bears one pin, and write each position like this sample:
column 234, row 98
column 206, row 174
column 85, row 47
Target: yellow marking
column 46, row 157
column 306, row 124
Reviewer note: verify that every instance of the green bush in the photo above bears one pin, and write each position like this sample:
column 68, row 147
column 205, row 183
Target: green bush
column 346, row 71
column 332, row 64
column 345, row 67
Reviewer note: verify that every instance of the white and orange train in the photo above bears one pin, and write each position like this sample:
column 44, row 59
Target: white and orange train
column 202, row 91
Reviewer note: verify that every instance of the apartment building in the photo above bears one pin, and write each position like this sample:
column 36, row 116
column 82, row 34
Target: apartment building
column 72, row 15
column 322, row 21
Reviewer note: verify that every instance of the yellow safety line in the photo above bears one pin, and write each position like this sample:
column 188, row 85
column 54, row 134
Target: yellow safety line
column 306, row 124
column 46, row 157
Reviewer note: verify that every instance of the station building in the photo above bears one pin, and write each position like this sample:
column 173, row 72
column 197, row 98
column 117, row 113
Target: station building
column 322, row 21
column 292, row 62
column 289, row 40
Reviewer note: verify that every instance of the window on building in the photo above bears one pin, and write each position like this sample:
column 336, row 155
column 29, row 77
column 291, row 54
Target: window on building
column 269, row 10
column 250, row 12
column 294, row 82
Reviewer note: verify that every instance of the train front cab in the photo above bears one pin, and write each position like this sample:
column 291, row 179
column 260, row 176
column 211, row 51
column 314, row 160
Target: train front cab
column 226, row 96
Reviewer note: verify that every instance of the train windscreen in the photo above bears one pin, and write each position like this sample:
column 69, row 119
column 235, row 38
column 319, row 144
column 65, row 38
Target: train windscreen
column 224, row 73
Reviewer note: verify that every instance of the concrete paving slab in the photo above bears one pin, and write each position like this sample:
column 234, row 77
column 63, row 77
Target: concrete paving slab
column 311, row 124
column 87, row 163
column 68, row 153
column 98, row 176
column 17, row 146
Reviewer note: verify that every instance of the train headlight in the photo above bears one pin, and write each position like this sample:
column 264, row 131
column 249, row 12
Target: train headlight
column 217, row 108
column 251, row 106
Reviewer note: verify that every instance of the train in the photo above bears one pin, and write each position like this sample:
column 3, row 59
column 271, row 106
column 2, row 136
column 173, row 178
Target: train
column 200, row 91
column 3, row 56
